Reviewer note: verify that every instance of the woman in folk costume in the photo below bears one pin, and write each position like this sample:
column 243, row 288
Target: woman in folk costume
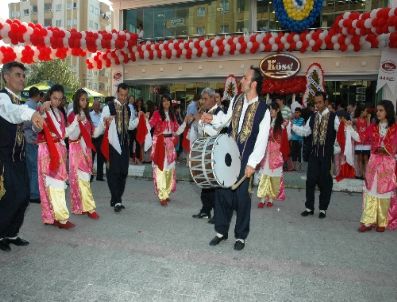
column 51, row 158
column 271, row 182
column 380, row 177
column 80, row 130
column 363, row 149
column 166, row 132
column 345, row 137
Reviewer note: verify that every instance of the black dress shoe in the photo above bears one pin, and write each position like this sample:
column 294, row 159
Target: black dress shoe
column 307, row 213
column 4, row 245
column 216, row 240
column 202, row 215
column 35, row 200
column 122, row 206
column 18, row 241
column 238, row 245
column 211, row 220
column 322, row 215
column 117, row 208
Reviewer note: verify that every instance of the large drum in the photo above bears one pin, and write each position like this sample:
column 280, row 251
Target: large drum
column 215, row 161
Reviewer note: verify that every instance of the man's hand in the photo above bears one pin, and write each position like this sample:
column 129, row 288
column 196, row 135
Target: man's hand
column 207, row 118
column 45, row 107
column 37, row 120
column 108, row 120
column 249, row 171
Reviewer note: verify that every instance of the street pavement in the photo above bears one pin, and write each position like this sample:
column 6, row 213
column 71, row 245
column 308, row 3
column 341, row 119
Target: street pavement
column 151, row 253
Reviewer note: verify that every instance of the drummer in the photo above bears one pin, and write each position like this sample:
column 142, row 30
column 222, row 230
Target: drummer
column 205, row 130
column 249, row 124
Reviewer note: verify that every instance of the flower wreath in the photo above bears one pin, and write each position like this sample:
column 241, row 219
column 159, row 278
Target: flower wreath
column 231, row 87
column 297, row 15
column 314, row 83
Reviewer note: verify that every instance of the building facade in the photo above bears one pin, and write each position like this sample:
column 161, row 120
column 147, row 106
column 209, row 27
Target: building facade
column 350, row 77
column 90, row 15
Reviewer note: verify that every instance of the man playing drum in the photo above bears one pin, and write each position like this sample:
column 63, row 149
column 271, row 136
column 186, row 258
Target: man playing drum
column 206, row 130
column 249, row 125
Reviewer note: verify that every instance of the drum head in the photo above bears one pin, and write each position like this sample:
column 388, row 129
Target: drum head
column 226, row 160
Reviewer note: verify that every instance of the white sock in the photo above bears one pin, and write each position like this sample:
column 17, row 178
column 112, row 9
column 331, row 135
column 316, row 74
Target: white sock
column 241, row 240
column 219, row 235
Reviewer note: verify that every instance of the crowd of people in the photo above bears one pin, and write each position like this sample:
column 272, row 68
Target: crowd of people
column 60, row 143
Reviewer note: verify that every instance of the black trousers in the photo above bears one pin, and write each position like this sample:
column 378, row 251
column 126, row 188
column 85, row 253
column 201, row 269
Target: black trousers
column 319, row 173
column 117, row 172
column 131, row 137
column 100, row 159
column 14, row 203
column 296, row 149
column 227, row 201
column 207, row 200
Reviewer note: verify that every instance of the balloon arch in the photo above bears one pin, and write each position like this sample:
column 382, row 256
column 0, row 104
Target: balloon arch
column 351, row 31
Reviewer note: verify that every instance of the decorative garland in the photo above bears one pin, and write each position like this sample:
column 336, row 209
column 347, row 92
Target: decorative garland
column 297, row 15
column 314, row 83
column 350, row 32
column 231, row 87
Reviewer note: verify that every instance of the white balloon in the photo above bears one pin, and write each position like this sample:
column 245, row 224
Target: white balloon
column 191, row 45
column 227, row 48
column 249, row 45
column 238, row 46
column 274, row 47
column 350, row 47
column 354, row 23
column 283, row 39
column 296, row 37
column 334, row 39
column 299, row 45
column 194, row 51
column 202, row 43
column 161, row 46
column 205, row 50
column 146, row 54
column 259, row 38
column 261, row 47
column 336, row 46
column 171, row 46
column 213, row 42
column 287, row 45
column 374, row 12
column 312, row 43
column 271, row 40
column 216, row 49
column 67, row 34
column 184, row 52
column 344, row 31
column 83, row 44
column 346, row 15
column 163, row 53
column 173, row 52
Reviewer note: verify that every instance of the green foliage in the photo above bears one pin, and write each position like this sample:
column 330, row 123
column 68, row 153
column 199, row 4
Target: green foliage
column 56, row 71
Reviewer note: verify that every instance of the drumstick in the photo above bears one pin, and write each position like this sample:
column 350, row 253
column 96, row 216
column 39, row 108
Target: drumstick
column 237, row 184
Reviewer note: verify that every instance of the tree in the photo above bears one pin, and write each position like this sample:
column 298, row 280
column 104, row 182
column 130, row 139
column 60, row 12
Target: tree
column 56, row 71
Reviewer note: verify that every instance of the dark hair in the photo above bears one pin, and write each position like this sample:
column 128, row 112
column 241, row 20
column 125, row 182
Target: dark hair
column 170, row 110
column 7, row 68
column 109, row 99
column 298, row 109
column 76, row 103
column 359, row 109
column 279, row 97
column 390, row 113
column 344, row 114
column 33, row 92
column 321, row 93
column 279, row 118
column 258, row 78
column 54, row 88
column 123, row 86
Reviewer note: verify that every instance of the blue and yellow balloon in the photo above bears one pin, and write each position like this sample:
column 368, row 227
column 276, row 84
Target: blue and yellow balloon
column 297, row 15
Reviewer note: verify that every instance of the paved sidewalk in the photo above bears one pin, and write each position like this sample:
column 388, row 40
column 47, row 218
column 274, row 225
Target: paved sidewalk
column 151, row 253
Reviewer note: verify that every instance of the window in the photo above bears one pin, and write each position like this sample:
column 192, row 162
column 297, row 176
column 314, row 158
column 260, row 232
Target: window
column 96, row 26
column 47, row 22
column 91, row 24
column 34, row 8
column 74, row 5
column 58, row 7
column 200, row 31
column 200, row 11
column 58, row 23
column 26, row 12
column 47, row 7
column 225, row 6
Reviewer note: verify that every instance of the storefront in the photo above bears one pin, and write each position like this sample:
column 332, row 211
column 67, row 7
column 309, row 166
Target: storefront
column 349, row 76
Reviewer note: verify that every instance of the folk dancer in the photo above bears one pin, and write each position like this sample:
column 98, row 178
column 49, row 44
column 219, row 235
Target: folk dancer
column 380, row 177
column 115, row 122
column 52, row 156
column 80, row 130
column 166, row 132
column 321, row 128
column 271, row 183
column 14, row 180
column 249, row 125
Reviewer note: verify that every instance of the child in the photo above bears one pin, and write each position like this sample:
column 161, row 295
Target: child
column 362, row 150
column 80, row 130
column 296, row 141
column 271, row 184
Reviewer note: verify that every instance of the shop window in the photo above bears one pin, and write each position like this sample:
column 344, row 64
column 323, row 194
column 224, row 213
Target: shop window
column 26, row 12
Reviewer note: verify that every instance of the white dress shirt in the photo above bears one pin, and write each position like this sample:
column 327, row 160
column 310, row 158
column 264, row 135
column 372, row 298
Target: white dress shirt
column 100, row 129
column 264, row 128
column 95, row 118
column 306, row 130
column 13, row 113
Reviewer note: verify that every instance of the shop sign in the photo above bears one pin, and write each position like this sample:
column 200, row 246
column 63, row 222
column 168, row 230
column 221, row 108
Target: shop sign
column 388, row 71
column 280, row 66
column 175, row 22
